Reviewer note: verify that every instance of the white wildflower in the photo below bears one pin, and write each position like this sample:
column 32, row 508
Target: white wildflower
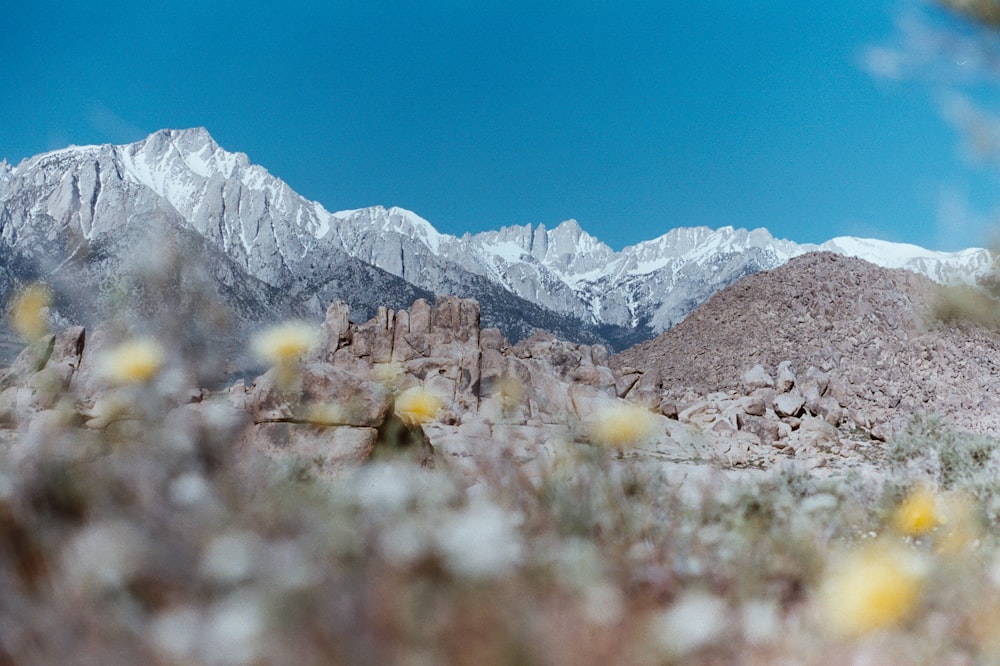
column 695, row 621
column 174, row 633
column 234, row 632
column 761, row 621
column 230, row 557
column 103, row 556
column 189, row 489
column 385, row 488
column 482, row 541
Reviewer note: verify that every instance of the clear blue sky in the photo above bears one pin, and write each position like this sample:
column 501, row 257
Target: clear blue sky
column 632, row 117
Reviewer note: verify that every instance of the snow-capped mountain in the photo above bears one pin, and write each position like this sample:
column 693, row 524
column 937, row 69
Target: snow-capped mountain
column 655, row 283
column 95, row 212
column 966, row 266
column 643, row 289
column 92, row 218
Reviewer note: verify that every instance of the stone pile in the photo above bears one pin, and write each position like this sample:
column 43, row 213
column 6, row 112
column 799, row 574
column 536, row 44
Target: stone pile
column 40, row 373
column 497, row 398
column 871, row 331
column 533, row 402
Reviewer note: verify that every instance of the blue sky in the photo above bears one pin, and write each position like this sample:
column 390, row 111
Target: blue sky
column 632, row 117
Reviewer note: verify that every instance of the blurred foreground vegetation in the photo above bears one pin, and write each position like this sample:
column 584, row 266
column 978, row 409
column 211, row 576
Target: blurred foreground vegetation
column 154, row 537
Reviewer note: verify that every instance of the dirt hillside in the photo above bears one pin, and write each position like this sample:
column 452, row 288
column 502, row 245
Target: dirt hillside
column 871, row 329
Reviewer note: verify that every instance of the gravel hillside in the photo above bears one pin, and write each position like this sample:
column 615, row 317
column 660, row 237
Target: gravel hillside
column 872, row 329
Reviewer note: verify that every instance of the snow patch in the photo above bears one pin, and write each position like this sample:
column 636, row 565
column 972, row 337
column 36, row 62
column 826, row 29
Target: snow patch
column 508, row 251
column 882, row 253
column 422, row 229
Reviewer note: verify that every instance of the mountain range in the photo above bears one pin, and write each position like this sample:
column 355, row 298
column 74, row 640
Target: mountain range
column 89, row 219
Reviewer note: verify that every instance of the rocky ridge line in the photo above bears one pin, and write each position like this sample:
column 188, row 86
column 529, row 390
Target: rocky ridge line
column 870, row 330
column 270, row 249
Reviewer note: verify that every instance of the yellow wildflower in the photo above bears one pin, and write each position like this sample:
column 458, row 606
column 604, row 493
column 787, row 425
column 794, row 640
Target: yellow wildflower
column 621, row 424
column 325, row 413
column 418, row 405
column 918, row 514
column 283, row 347
column 510, row 392
column 28, row 313
column 133, row 362
column 388, row 374
column 874, row 588
column 958, row 523
column 286, row 343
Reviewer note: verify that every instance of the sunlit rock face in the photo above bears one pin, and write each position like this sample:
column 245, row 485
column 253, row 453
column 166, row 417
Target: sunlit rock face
column 89, row 218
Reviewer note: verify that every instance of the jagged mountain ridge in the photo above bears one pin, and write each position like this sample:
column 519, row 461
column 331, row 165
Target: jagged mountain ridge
column 656, row 283
column 94, row 212
column 649, row 286
column 258, row 230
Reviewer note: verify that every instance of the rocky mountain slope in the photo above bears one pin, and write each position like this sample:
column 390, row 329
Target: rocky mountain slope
column 85, row 215
column 481, row 399
column 870, row 329
column 96, row 219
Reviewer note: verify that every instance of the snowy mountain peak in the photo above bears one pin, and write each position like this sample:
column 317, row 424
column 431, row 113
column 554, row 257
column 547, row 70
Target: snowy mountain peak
column 892, row 255
column 400, row 221
column 704, row 241
column 274, row 234
column 193, row 135
column 190, row 149
column 566, row 250
column 569, row 227
column 571, row 231
column 192, row 138
column 571, row 251
column 943, row 267
column 406, row 220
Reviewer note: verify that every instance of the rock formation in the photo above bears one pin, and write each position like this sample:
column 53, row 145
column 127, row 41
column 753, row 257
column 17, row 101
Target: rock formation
column 493, row 394
column 819, row 361
column 532, row 401
column 864, row 339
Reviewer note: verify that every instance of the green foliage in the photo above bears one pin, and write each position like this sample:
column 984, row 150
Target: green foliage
column 929, row 449
column 963, row 303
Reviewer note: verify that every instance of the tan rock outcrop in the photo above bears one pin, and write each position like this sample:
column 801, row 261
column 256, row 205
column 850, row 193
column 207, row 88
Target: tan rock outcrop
column 865, row 336
column 541, row 385
column 533, row 403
